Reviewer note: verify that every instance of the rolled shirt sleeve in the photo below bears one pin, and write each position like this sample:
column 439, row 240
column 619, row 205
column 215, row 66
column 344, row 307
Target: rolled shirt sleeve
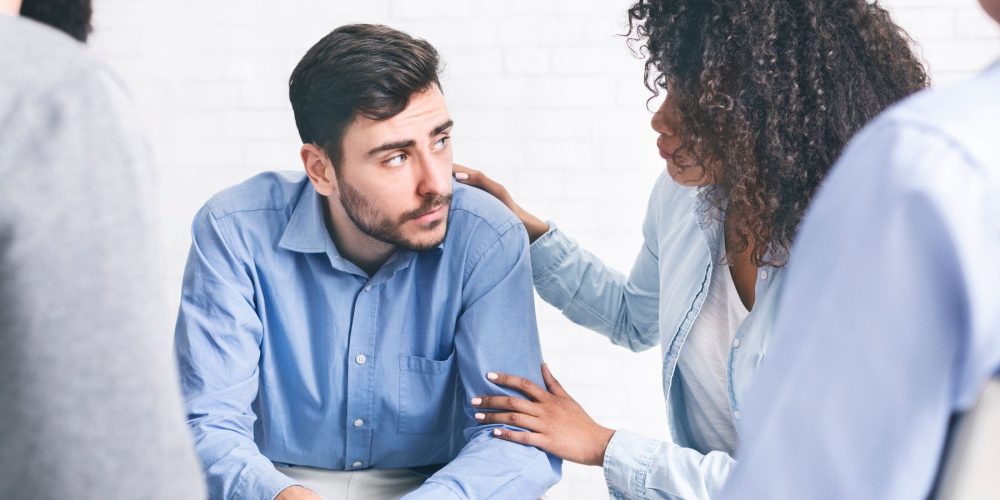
column 639, row 467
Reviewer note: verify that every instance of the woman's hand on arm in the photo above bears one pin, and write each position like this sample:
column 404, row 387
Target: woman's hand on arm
column 535, row 226
column 557, row 423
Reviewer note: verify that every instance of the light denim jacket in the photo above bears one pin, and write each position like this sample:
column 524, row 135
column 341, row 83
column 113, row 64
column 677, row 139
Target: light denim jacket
column 658, row 303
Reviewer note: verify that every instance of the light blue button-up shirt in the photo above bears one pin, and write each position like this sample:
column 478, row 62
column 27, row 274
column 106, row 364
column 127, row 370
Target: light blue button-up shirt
column 657, row 304
column 891, row 318
column 291, row 354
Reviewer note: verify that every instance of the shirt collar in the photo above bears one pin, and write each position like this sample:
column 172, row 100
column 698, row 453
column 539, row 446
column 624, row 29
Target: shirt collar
column 306, row 232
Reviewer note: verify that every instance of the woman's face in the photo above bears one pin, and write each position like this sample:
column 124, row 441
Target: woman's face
column 665, row 122
column 992, row 8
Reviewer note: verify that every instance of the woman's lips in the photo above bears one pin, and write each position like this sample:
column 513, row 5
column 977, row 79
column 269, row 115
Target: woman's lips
column 663, row 150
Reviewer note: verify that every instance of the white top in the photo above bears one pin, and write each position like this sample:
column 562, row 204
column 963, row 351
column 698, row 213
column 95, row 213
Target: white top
column 704, row 361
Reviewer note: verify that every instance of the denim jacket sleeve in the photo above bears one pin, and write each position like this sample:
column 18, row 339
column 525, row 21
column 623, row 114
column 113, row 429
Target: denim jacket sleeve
column 594, row 296
column 640, row 467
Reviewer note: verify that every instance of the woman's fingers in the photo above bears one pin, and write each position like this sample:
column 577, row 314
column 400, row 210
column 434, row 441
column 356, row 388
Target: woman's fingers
column 507, row 403
column 461, row 172
column 475, row 178
column 520, row 384
column 525, row 438
column 552, row 384
column 521, row 420
column 533, row 225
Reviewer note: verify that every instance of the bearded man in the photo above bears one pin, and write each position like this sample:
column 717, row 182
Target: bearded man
column 335, row 325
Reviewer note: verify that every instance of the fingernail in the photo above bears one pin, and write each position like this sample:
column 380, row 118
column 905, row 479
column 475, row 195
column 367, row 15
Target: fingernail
column 480, row 416
column 462, row 176
column 477, row 401
column 492, row 376
column 497, row 432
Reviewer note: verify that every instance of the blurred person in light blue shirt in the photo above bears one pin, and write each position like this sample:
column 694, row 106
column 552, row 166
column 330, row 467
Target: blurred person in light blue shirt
column 890, row 319
column 337, row 323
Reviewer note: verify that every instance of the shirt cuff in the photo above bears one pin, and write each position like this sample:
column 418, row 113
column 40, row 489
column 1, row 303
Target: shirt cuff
column 262, row 482
column 548, row 251
column 626, row 463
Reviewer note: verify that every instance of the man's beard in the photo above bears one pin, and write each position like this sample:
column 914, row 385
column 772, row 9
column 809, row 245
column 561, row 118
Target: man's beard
column 69, row 16
column 362, row 212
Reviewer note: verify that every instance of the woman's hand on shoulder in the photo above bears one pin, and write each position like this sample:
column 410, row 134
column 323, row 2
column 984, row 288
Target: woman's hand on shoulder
column 535, row 226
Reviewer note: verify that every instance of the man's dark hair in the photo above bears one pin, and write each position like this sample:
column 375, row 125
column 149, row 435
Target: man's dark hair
column 358, row 69
column 69, row 16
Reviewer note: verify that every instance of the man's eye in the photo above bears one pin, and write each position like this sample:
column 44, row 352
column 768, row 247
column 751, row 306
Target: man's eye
column 441, row 143
column 396, row 161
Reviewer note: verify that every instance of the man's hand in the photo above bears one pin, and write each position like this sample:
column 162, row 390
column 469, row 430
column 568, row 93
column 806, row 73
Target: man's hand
column 535, row 226
column 558, row 424
column 297, row 493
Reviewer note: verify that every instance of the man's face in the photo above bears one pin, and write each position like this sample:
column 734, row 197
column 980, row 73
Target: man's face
column 394, row 177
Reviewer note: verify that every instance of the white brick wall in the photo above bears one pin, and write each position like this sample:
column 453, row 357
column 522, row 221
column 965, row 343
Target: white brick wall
column 545, row 96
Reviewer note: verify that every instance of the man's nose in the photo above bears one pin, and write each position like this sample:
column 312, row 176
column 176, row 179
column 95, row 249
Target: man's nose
column 435, row 177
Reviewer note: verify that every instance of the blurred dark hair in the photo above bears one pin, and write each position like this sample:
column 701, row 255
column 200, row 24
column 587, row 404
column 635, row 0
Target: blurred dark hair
column 69, row 16
column 769, row 92
column 358, row 69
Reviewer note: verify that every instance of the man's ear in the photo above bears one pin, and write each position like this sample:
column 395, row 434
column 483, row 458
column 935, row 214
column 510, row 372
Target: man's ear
column 319, row 168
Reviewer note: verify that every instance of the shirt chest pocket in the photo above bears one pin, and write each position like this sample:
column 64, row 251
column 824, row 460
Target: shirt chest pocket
column 426, row 394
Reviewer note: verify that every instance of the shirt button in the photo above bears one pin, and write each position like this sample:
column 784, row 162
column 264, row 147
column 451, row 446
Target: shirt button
column 358, row 422
column 736, row 343
column 763, row 274
column 356, row 464
column 368, row 288
column 360, row 359
column 737, row 414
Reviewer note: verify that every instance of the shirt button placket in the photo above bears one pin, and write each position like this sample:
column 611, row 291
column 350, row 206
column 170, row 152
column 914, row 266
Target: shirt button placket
column 359, row 399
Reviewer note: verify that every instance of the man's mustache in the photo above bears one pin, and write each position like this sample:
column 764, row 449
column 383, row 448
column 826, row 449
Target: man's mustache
column 429, row 205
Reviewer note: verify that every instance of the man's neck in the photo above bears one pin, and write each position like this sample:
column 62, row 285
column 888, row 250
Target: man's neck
column 353, row 244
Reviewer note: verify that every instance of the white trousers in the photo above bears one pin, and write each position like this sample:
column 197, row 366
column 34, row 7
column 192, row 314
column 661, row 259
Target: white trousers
column 368, row 484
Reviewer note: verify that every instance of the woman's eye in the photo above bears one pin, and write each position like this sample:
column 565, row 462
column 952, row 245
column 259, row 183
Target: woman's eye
column 396, row 161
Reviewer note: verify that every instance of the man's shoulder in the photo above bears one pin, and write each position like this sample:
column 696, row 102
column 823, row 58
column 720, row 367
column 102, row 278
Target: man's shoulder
column 963, row 114
column 473, row 208
column 953, row 101
column 266, row 191
column 44, row 57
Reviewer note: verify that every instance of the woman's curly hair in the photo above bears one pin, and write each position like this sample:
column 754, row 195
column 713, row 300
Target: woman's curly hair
column 769, row 92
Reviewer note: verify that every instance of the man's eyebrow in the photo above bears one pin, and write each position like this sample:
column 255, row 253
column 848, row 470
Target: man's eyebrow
column 409, row 144
column 441, row 128
column 392, row 145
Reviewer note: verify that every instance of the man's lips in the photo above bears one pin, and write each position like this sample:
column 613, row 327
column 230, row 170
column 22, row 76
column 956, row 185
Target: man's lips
column 431, row 215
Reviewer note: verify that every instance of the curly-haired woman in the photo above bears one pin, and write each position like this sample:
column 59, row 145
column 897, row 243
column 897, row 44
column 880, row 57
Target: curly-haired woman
column 761, row 96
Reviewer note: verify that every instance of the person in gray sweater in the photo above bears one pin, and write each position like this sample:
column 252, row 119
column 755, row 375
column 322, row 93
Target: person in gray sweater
column 88, row 388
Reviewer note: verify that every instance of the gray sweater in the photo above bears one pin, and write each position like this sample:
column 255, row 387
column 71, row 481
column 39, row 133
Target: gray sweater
column 89, row 403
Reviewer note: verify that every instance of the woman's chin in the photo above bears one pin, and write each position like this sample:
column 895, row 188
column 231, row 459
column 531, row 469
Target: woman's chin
column 690, row 177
